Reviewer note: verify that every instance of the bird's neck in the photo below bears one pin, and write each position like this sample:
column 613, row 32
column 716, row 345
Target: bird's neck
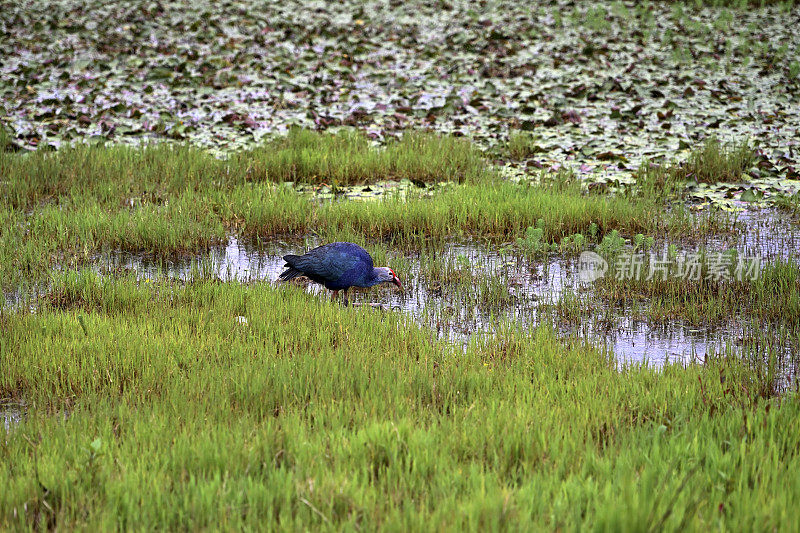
column 375, row 277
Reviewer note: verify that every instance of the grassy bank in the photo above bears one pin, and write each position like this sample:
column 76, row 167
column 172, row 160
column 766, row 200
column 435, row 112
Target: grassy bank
column 113, row 175
column 151, row 405
column 192, row 220
column 62, row 207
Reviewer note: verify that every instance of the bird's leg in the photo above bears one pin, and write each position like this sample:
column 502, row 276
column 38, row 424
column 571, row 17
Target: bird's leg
column 346, row 300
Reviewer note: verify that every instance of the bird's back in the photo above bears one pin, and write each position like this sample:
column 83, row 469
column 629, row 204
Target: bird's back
column 337, row 265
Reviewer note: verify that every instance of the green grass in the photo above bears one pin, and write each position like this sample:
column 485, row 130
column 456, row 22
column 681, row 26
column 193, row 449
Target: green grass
column 116, row 174
column 61, row 208
column 716, row 162
column 150, row 406
column 789, row 203
column 712, row 162
column 6, row 142
column 522, row 145
column 192, row 220
column 490, row 210
column 771, row 298
column 659, row 181
column 349, row 158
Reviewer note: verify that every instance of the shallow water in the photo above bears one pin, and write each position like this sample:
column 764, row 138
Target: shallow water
column 485, row 287
column 766, row 233
column 11, row 415
column 468, row 289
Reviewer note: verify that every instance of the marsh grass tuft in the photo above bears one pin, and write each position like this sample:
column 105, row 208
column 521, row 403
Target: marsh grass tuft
column 767, row 293
column 349, row 158
column 522, row 145
column 6, row 141
column 715, row 162
column 790, row 203
column 121, row 174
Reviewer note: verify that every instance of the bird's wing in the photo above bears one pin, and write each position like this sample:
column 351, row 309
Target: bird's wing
column 326, row 263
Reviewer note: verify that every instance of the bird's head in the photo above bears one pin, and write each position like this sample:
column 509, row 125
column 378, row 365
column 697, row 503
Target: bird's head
column 387, row 275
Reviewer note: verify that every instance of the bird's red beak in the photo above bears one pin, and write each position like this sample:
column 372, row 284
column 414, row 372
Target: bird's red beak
column 396, row 281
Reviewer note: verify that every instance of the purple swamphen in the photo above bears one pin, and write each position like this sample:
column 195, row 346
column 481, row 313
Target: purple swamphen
column 338, row 266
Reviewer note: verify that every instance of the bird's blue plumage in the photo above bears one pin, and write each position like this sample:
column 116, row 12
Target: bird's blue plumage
column 337, row 266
